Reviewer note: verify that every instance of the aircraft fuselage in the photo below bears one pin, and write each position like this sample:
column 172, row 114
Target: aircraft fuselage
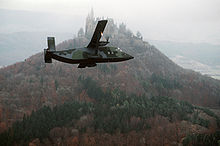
column 88, row 56
column 95, row 52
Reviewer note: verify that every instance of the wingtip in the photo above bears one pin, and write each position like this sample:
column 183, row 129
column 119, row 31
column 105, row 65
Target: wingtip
column 103, row 21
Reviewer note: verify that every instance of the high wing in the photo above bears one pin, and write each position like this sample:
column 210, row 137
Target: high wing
column 94, row 43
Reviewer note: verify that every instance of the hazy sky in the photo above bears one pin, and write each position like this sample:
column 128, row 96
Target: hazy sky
column 179, row 20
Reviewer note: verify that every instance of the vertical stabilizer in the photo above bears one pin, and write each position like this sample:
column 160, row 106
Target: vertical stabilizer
column 51, row 43
column 48, row 52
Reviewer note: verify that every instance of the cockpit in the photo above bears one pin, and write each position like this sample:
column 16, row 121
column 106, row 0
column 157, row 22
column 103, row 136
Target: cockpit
column 119, row 49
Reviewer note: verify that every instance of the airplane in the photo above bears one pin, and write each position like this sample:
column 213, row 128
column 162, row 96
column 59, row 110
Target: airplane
column 95, row 52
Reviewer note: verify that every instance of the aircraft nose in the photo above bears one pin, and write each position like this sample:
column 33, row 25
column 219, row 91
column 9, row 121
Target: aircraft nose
column 127, row 56
column 130, row 57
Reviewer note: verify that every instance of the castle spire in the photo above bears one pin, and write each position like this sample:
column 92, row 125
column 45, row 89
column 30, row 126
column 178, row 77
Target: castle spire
column 90, row 24
column 92, row 13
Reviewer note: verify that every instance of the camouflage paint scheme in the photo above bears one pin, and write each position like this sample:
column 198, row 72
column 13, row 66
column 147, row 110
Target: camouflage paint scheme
column 95, row 52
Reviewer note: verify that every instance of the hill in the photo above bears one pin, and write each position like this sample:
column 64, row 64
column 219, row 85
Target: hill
column 28, row 86
column 18, row 46
column 135, row 120
column 201, row 52
column 22, row 35
column 200, row 57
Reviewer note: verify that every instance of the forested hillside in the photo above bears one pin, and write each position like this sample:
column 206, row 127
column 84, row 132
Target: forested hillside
column 149, row 95
column 158, row 120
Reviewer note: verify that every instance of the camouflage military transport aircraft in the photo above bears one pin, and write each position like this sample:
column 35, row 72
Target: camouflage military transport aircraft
column 95, row 52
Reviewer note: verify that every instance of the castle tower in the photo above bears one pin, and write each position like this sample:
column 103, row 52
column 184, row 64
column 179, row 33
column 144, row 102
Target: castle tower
column 90, row 24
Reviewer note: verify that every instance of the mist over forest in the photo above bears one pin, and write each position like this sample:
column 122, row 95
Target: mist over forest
column 21, row 38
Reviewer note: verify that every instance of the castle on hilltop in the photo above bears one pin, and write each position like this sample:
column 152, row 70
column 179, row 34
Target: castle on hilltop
column 111, row 29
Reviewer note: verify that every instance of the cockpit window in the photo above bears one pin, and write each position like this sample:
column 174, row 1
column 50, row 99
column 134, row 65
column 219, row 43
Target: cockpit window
column 119, row 49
